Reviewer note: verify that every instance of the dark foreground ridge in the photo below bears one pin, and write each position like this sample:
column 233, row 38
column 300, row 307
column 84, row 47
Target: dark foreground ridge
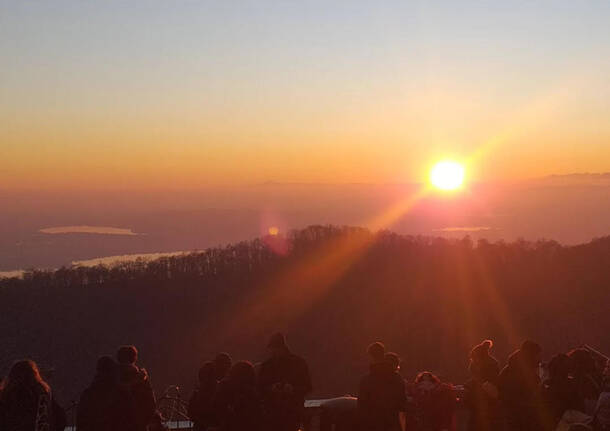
column 332, row 289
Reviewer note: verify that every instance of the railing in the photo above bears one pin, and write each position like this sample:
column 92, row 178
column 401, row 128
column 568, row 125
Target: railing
column 173, row 409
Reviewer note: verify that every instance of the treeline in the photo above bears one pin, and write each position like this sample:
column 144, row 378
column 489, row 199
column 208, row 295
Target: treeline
column 332, row 290
column 261, row 254
column 236, row 260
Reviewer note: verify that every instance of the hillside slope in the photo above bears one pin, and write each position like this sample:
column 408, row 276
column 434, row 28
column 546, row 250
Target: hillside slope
column 331, row 289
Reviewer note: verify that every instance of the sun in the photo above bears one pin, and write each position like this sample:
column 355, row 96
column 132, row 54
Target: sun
column 447, row 175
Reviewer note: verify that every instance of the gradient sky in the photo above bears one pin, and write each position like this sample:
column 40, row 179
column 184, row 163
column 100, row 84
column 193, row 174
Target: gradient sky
column 182, row 94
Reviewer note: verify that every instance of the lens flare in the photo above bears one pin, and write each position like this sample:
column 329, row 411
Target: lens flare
column 447, row 175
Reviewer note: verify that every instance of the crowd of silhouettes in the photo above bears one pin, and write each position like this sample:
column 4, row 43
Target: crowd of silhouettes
column 120, row 397
column 387, row 401
column 571, row 392
column 234, row 397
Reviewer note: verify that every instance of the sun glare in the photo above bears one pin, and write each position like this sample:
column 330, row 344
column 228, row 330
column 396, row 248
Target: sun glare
column 447, row 175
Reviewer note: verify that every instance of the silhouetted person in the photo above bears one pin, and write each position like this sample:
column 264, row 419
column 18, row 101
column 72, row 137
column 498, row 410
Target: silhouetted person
column 237, row 403
column 103, row 405
column 381, row 394
column 482, row 389
column 26, row 401
column 222, row 364
column 519, row 387
column 283, row 381
column 136, row 383
column 200, row 408
column 586, row 376
column 435, row 403
column 560, row 392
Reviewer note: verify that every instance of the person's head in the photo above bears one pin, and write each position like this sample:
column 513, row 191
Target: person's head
column 127, row 355
column 427, row 376
column 106, row 368
column 24, row 374
column 559, row 367
column 242, row 373
column 222, row 365
column 277, row 344
column 531, row 353
column 481, row 350
column 376, row 352
column 207, row 373
column 394, row 360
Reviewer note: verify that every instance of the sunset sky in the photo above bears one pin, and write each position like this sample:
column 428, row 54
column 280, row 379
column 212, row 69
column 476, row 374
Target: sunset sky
column 184, row 94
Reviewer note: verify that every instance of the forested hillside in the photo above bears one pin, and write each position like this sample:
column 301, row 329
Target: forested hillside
column 331, row 289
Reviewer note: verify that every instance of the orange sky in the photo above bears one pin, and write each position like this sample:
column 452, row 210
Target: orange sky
column 351, row 95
